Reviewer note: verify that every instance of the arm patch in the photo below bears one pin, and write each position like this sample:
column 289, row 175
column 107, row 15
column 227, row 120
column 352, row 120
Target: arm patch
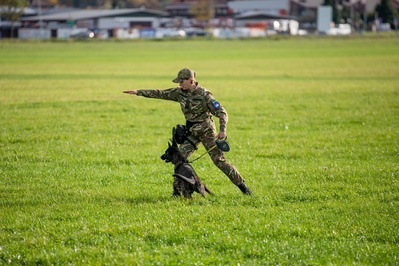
column 215, row 104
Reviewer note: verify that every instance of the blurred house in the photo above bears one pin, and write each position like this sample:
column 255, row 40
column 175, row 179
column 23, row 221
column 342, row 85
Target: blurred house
column 272, row 7
column 102, row 19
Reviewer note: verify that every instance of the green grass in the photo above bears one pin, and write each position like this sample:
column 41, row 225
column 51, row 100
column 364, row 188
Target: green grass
column 313, row 127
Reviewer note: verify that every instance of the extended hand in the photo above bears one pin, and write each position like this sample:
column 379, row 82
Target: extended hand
column 131, row 92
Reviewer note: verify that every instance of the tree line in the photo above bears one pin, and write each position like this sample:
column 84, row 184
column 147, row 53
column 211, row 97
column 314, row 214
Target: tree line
column 344, row 10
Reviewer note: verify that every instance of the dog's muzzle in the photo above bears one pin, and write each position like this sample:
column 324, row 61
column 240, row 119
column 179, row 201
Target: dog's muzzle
column 165, row 158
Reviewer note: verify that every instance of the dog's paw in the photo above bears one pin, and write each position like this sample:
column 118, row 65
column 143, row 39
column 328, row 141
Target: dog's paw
column 176, row 194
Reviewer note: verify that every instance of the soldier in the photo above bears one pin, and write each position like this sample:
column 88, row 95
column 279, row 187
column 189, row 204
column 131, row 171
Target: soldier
column 198, row 105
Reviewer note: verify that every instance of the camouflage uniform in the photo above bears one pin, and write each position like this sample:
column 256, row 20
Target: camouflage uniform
column 198, row 105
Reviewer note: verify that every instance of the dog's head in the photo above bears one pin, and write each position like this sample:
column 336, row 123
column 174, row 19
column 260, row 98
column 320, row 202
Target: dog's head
column 171, row 154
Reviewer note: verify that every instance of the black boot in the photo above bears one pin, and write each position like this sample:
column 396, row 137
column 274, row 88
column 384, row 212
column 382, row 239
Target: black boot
column 245, row 189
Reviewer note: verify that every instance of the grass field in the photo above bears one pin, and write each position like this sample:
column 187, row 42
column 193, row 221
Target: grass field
column 313, row 127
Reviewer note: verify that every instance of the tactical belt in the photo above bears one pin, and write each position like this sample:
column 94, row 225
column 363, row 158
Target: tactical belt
column 189, row 124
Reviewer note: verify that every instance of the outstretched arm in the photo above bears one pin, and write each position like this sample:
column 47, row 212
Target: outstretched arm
column 168, row 94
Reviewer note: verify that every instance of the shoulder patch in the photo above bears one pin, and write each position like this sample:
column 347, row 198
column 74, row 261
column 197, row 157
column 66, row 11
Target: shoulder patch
column 216, row 104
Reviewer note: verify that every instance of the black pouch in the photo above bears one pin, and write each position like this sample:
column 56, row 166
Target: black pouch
column 179, row 133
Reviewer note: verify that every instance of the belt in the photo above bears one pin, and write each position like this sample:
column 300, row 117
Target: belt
column 189, row 124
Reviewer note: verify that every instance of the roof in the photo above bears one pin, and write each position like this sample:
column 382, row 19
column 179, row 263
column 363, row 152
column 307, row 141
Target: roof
column 309, row 3
column 94, row 14
column 265, row 5
column 26, row 11
column 260, row 15
column 178, row 6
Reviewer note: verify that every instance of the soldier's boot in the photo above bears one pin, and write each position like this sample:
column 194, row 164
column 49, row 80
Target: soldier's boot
column 244, row 189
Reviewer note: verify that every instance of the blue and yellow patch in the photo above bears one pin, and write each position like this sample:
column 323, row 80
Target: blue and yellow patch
column 216, row 104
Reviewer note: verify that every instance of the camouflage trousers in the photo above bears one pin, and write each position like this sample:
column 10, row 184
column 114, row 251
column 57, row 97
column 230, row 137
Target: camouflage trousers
column 206, row 134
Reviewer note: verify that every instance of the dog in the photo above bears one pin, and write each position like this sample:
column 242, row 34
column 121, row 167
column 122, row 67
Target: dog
column 186, row 179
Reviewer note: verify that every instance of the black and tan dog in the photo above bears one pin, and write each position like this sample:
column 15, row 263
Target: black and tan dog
column 186, row 179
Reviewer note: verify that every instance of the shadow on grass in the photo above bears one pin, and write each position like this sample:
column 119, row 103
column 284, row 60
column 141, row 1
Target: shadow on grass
column 197, row 199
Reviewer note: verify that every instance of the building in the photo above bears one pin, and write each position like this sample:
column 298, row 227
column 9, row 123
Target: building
column 103, row 19
column 183, row 8
column 271, row 7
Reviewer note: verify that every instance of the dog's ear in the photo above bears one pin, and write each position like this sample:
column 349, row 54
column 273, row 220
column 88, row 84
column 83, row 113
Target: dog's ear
column 169, row 145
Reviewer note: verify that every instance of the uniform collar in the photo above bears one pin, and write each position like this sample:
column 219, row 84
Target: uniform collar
column 191, row 90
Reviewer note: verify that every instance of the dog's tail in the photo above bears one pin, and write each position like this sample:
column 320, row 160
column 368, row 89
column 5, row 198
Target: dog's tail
column 207, row 190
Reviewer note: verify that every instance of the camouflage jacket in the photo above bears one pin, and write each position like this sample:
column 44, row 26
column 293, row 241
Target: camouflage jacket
column 197, row 105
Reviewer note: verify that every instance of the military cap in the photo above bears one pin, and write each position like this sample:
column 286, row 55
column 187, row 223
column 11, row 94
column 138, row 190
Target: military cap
column 183, row 74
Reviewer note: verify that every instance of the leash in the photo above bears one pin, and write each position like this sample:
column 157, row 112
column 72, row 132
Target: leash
column 221, row 144
column 202, row 154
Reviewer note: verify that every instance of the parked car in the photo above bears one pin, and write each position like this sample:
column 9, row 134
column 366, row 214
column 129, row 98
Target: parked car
column 169, row 33
column 342, row 29
column 82, row 34
column 384, row 27
column 100, row 34
column 193, row 32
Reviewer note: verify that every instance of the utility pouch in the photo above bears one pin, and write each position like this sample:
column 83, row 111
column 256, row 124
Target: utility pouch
column 179, row 133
